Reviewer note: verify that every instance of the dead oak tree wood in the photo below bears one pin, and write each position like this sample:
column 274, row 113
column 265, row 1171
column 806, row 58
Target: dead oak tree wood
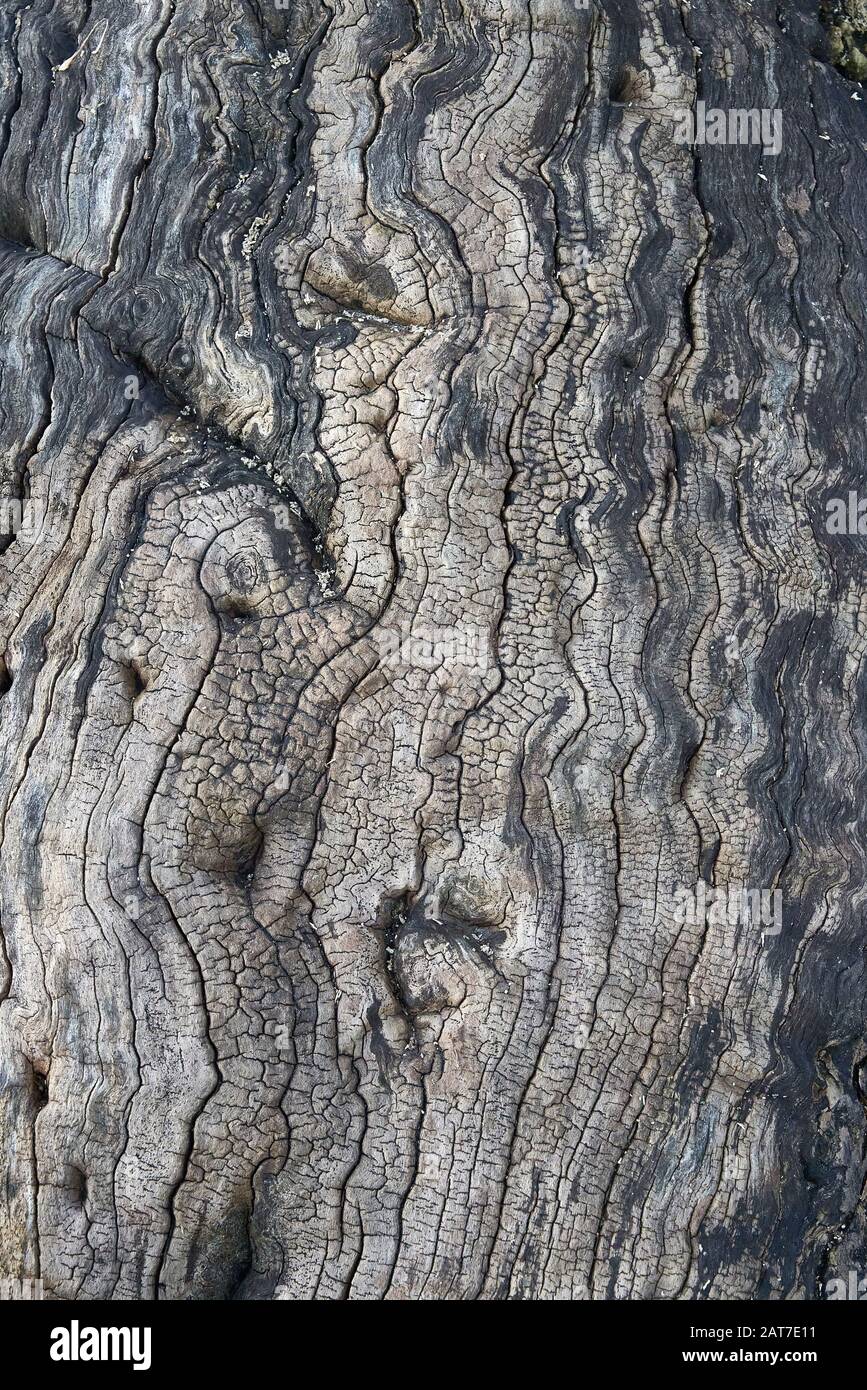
column 429, row 577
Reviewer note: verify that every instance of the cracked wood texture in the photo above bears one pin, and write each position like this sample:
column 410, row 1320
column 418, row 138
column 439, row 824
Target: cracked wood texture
column 430, row 456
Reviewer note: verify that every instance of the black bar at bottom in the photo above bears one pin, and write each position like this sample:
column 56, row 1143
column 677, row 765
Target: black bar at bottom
column 84, row 1339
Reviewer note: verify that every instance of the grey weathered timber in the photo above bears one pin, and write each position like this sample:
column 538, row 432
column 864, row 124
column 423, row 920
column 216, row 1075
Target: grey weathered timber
column 421, row 579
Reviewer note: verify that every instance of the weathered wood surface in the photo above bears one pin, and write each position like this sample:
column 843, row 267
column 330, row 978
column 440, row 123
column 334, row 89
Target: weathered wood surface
column 336, row 965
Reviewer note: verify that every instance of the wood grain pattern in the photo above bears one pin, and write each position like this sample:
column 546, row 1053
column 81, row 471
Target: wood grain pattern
column 430, row 457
